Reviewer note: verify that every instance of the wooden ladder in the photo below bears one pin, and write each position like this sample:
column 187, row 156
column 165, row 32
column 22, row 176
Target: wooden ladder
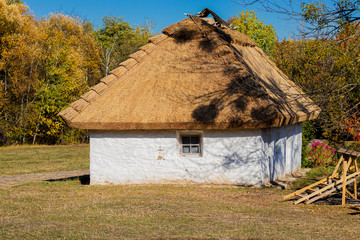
column 337, row 181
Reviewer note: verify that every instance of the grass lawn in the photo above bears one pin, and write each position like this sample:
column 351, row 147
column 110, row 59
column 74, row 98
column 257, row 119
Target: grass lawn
column 69, row 210
column 34, row 159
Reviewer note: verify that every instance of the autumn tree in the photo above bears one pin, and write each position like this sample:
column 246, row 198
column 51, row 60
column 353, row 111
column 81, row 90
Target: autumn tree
column 45, row 64
column 348, row 39
column 327, row 72
column 324, row 58
column 70, row 61
column 264, row 35
column 19, row 59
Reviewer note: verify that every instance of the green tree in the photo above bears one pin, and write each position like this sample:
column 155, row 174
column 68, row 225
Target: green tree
column 319, row 18
column 329, row 19
column 264, row 35
column 118, row 40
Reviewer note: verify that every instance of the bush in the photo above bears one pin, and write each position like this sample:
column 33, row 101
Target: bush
column 310, row 132
column 321, row 154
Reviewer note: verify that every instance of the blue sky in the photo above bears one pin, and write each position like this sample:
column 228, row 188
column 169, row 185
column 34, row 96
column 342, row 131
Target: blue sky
column 161, row 12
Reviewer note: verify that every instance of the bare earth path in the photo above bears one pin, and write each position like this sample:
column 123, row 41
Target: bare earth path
column 8, row 181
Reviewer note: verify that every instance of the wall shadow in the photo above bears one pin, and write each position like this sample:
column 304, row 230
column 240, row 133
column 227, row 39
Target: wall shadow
column 254, row 170
column 84, row 179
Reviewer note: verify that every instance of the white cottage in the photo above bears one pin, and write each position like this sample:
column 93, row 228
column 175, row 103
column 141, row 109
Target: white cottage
column 199, row 104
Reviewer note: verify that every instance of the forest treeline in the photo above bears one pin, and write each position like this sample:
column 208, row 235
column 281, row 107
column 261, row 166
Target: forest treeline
column 47, row 63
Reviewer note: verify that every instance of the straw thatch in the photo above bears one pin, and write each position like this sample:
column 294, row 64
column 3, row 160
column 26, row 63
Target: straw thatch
column 194, row 76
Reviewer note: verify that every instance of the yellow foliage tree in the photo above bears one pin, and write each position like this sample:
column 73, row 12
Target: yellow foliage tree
column 45, row 64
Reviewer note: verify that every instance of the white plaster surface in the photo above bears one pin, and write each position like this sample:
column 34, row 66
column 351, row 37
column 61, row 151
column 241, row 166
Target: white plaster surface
column 241, row 157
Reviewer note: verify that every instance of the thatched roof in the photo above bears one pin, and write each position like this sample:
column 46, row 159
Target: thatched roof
column 193, row 76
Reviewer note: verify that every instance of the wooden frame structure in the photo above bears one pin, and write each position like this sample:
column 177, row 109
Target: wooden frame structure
column 345, row 173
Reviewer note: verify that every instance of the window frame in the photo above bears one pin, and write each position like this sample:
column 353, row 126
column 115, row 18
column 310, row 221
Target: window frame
column 181, row 134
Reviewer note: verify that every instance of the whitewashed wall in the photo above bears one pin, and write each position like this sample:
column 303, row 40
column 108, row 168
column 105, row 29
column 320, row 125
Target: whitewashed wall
column 242, row 157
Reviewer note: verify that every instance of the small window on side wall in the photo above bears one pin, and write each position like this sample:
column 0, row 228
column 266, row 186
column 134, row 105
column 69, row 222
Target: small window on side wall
column 190, row 144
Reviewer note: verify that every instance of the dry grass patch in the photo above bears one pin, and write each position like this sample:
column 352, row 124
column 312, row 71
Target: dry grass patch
column 70, row 210
column 35, row 159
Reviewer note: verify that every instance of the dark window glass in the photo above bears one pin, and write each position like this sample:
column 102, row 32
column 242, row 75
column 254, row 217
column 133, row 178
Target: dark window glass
column 190, row 144
column 185, row 140
column 195, row 140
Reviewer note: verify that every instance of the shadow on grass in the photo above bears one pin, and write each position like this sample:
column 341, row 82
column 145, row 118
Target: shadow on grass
column 356, row 210
column 84, row 179
column 336, row 199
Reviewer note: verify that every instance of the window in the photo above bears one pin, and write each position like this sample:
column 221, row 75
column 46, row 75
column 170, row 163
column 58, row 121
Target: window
column 190, row 144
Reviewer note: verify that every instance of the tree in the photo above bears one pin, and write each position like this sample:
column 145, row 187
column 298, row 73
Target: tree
column 248, row 23
column 324, row 61
column 320, row 19
column 45, row 64
column 329, row 19
column 118, row 40
column 70, row 54
column 352, row 126
column 329, row 72
column 18, row 60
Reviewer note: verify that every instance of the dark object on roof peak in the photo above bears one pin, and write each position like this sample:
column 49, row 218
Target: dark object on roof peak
column 218, row 20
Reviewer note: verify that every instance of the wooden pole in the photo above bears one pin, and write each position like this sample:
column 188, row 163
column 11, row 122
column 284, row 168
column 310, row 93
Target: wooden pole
column 355, row 184
column 349, row 162
column 345, row 166
column 338, row 165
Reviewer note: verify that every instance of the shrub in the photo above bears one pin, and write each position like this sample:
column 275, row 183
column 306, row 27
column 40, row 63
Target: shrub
column 310, row 132
column 321, row 154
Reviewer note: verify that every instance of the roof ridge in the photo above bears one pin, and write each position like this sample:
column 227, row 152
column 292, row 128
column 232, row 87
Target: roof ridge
column 106, row 82
column 227, row 34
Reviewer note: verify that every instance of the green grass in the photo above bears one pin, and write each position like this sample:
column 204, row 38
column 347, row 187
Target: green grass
column 68, row 210
column 314, row 175
column 35, row 159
